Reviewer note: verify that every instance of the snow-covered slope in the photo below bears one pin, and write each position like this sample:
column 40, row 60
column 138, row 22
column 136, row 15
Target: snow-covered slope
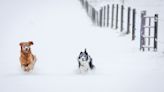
column 60, row 29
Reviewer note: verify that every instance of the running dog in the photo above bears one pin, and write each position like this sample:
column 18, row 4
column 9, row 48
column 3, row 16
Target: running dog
column 27, row 59
column 85, row 62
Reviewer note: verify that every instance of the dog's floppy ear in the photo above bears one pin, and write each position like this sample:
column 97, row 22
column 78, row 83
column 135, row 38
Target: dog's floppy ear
column 80, row 55
column 31, row 42
column 21, row 44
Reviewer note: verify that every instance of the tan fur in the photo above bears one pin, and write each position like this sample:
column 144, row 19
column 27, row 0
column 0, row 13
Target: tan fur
column 27, row 59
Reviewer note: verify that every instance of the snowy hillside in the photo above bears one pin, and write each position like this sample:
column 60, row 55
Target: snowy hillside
column 60, row 29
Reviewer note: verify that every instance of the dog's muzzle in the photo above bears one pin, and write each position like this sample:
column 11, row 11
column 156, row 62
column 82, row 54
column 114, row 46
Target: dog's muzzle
column 26, row 48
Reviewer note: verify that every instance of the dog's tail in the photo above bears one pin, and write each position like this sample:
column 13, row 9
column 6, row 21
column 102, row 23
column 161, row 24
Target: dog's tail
column 91, row 65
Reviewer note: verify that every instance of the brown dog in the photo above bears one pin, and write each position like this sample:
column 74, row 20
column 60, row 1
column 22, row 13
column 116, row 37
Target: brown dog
column 27, row 59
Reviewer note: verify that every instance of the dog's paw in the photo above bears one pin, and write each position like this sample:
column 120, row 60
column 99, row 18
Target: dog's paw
column 83, row 69
column 27, row 69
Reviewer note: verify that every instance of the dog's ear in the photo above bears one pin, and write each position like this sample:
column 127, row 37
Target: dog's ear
column 31, row 42
column 85, row 51
column 80, row 55
column 21, row 44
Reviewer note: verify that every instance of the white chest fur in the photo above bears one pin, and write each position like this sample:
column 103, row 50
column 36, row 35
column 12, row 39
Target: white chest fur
column 84, row 65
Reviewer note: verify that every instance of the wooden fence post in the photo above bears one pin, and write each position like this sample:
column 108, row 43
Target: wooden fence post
column 155, row 31
column 133, row 24
column 112, row 16
column 86, row 6
column 128, row 21
column 116, row 16
column 93, row 15
column 97, row 18
column 122, row 18
column 101, row 17
column 108, row 10
column 104, row 15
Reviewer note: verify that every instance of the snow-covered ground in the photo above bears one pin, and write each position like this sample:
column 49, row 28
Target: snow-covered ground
column 60, row 29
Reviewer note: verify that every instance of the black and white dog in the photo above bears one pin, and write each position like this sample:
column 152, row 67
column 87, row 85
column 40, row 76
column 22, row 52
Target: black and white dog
column 85, row 62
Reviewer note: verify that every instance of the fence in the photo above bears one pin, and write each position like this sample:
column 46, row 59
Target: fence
column 148, row 31
column 113, row 15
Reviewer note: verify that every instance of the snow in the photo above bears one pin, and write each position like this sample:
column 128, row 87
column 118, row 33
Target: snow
column 60, row 29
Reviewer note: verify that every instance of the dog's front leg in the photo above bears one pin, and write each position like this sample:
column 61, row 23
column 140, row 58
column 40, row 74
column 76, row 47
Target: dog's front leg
column 31, row 66
column 83, row 69
column 25, row 68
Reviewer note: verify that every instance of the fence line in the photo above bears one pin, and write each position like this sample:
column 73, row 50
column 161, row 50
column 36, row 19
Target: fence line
column 113, row 15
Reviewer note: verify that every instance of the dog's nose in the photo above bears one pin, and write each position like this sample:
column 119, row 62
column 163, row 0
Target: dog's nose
column 26, row 48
